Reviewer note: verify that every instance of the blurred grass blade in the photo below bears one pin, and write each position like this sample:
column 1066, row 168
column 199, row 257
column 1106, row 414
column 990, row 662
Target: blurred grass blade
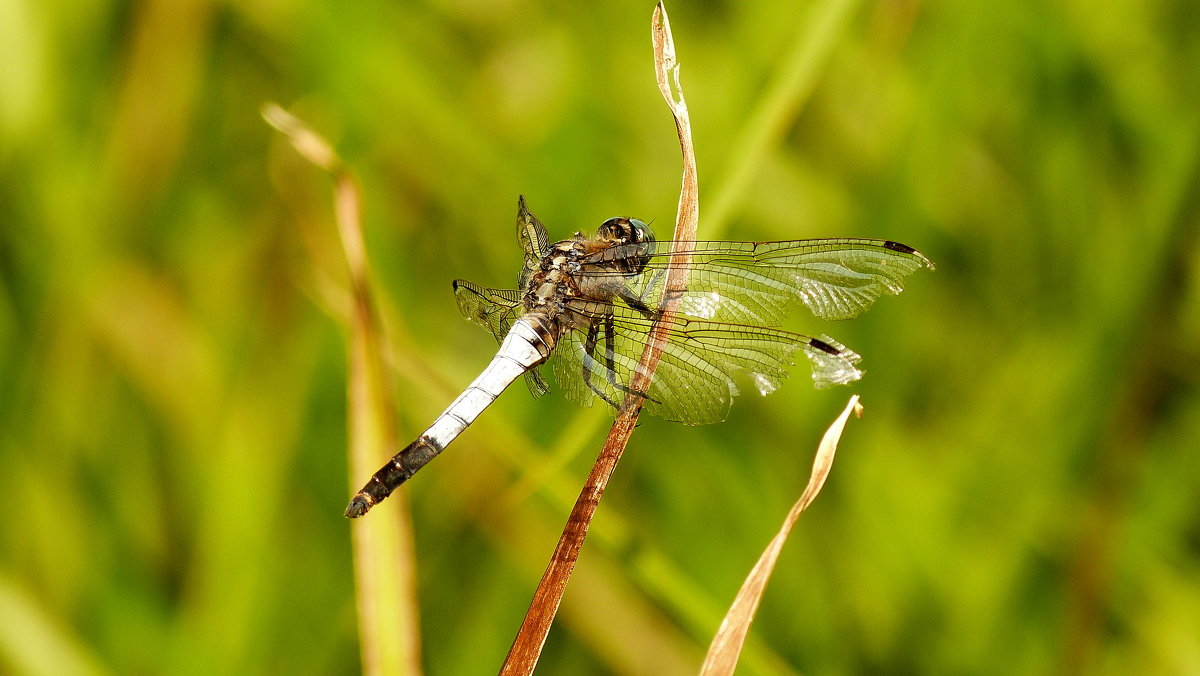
column 31, row 642
column 307, row 142
column 727, row 644
column 383, row 550
column 531, row 637
column 779, row 106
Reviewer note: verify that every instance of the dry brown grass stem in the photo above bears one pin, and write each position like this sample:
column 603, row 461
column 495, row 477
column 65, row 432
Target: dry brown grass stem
column 531, row 637
column 383, row 549
column 726, row 646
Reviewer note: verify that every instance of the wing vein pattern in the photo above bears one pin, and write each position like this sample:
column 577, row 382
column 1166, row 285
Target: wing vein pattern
column 737, row 293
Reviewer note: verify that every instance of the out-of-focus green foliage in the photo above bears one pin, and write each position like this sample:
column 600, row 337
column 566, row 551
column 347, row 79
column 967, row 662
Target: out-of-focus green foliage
column 1022, row 495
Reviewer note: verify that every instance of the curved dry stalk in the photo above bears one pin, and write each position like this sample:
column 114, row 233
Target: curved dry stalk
column 383, row 551
column 726, row 646
column 531, row 637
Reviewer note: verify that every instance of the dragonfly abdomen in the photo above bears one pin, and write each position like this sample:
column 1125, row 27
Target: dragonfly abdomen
column 527, row 344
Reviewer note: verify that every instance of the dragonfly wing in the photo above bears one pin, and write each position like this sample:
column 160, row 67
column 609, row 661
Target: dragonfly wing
column 532, row 236
column 694, row 382
column 496, row 310
column 759, row 282
column 535, row 382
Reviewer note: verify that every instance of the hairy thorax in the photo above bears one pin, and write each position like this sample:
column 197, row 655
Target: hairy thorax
column 558, row 293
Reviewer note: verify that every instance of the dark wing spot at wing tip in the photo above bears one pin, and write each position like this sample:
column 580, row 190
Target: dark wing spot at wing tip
column 897, row 246
column 824, row 347
column 906, row 249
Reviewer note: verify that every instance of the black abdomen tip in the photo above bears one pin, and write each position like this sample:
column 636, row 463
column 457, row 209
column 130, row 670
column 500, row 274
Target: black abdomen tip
column 358, row 506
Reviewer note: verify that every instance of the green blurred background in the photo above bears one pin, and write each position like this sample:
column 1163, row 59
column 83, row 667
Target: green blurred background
column 1021, row 496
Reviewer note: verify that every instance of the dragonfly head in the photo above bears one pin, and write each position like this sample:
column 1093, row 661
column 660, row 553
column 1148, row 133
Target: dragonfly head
column 634, row 236
column 625, row 231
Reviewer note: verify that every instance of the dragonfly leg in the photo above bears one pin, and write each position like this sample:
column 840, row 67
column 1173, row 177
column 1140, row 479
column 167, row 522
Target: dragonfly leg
column 652, row 284
column 638, row 304
column 610, row 339
column 589, row 358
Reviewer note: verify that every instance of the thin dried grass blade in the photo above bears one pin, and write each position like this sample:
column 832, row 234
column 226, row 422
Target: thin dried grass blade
column 531, row 637
column 308, row 143
column 383, row 551
column 666, row 72
column 726, row 646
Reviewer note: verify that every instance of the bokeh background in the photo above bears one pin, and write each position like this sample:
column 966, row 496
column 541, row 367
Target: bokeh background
column 1021, row 496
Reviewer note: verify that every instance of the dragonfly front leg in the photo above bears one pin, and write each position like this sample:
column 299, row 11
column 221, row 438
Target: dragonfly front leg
column 610, row 339
column 589, row 360
column 637, row 303
column 650, row 286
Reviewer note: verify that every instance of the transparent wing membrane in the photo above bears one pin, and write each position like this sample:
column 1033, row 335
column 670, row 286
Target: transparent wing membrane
column 696, row 379
column 720, row 336
column 532, row 236
column 759, row 282
column 496, row 310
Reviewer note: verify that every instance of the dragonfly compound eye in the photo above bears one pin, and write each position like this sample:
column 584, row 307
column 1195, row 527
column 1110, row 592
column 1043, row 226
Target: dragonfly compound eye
column 625, row 231
column 615, row 230
column 641, row 231
column 631, row 243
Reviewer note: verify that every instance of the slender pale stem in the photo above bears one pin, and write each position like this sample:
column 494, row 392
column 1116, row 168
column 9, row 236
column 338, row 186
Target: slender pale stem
column 383, row 550
column 531, row 637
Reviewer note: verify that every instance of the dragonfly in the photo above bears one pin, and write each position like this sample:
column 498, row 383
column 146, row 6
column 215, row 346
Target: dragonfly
column 591, row 303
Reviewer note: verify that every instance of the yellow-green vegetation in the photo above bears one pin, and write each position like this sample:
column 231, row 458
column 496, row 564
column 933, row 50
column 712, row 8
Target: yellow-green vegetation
column 1022, row 494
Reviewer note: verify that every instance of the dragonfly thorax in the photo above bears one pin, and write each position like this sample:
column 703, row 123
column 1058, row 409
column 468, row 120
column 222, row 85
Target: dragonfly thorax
column 547, row 289
column 587, row 269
